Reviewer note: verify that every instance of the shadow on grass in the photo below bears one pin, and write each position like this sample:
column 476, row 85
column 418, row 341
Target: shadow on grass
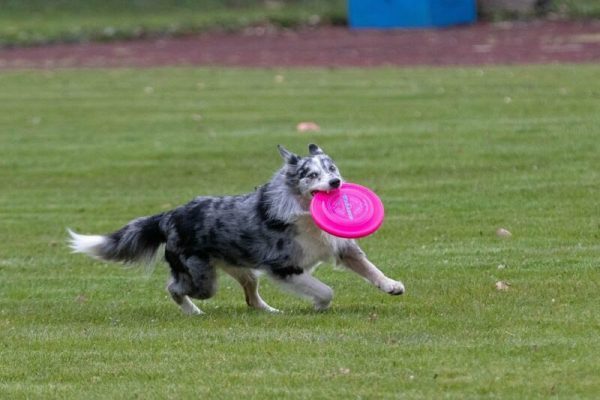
column 120, row 313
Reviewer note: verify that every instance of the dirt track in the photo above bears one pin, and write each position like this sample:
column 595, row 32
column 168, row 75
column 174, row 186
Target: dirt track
column 504, row 43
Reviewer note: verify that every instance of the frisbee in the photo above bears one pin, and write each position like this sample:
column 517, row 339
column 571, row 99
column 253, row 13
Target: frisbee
column 352, row 211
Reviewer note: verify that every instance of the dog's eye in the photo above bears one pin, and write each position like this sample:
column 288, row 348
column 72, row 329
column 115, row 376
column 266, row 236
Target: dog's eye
column 332, row 168
column 313, row 175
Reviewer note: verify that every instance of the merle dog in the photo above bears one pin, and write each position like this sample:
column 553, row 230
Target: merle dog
column 269, row 230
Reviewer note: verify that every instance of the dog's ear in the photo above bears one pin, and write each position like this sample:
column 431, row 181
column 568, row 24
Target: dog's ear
column 313, row 149
column 287, row 155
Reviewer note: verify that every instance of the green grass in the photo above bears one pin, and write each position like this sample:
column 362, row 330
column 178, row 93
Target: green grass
column 557, row 9
column 453, row 153
column 34, row 22
column 576, row 9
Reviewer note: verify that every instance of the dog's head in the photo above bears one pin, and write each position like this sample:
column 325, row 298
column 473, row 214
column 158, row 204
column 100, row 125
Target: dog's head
column 314, row 173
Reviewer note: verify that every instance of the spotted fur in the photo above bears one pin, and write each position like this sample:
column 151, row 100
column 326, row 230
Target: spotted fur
column 269, row 230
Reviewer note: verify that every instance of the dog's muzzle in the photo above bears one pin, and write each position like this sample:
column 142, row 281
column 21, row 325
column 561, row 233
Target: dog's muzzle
column 335, row 183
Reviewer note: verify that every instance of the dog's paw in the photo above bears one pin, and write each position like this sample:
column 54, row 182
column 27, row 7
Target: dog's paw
column 322, row 305
column 323, row 300
column 269, row 309
column 260, row 304
column 191, row 309
column 392, row 287
column 193, row 313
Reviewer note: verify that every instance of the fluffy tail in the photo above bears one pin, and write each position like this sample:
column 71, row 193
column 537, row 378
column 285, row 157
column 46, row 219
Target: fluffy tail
column 137, row 241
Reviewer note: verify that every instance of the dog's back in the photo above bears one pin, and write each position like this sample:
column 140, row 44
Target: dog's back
column 236, row 230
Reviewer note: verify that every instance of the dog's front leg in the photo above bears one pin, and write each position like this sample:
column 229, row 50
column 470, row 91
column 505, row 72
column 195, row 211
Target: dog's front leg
column 305, row 285
column 355, row 259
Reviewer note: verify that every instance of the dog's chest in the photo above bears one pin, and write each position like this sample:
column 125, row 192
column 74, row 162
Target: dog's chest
column 316, row 245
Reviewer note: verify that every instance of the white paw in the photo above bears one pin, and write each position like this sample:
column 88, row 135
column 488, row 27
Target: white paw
column 267, row 308
column 392, row 287
column 191, row 309
column 322, row 305
column 322, row 301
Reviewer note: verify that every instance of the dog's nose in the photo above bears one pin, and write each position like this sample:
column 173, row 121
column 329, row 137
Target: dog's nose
column 335, row 183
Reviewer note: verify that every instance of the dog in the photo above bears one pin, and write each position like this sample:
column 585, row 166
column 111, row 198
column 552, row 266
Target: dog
column 268, row 231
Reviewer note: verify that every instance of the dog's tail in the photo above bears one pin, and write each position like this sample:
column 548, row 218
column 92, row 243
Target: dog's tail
column 137, row 241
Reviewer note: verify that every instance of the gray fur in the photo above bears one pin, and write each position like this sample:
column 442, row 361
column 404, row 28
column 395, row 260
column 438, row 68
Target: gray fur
column 268, row 230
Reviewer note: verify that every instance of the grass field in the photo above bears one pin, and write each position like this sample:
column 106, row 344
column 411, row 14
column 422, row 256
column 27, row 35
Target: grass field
column 454, row 154
column 33, row 22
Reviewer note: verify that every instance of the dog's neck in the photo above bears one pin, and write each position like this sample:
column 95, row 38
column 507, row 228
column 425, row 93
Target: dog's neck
column 284, row 204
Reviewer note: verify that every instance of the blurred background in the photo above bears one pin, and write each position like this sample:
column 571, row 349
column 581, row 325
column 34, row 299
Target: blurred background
column 31, row 22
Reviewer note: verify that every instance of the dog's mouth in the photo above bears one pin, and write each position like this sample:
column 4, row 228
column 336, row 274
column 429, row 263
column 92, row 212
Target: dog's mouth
column 314, row 192
column 326, row 189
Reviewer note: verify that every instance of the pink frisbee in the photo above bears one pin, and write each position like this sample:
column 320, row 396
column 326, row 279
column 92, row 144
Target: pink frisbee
column 352, row 211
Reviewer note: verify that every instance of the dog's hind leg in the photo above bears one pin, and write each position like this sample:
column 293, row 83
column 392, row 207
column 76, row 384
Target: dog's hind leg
column 305, row 285
column 249, row 282
column 175, row 290
column 191, row 277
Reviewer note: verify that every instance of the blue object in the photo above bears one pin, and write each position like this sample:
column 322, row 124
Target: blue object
column 410, row 13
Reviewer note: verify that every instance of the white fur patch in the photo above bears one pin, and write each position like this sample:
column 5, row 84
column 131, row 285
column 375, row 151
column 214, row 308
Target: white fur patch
column 190, row 308
column 317, row 246
column 87, row 244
